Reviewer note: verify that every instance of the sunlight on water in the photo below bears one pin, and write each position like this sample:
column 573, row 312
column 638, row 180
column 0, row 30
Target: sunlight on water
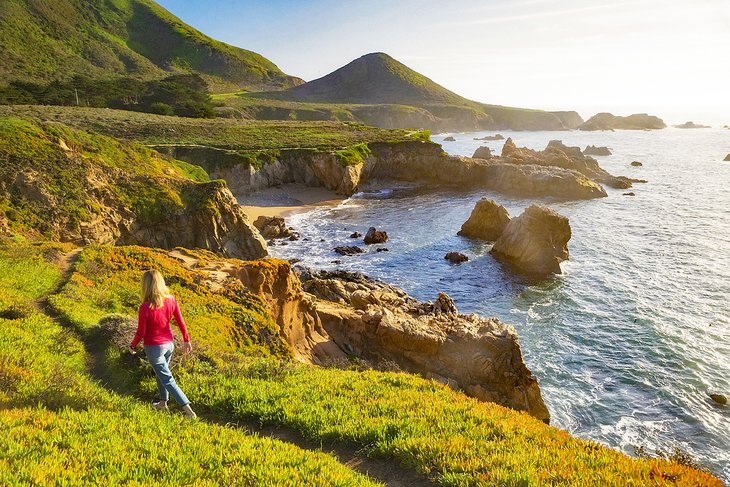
column 630, row 338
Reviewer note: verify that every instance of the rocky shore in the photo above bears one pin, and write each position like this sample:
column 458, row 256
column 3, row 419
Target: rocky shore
column 330, row 317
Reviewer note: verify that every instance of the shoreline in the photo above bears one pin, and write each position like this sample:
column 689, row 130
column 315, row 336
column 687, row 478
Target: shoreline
column 286, row 200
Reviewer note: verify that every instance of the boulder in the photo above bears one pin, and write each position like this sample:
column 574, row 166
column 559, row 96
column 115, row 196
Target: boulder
column 382, row 249
column 727, row 158
column 536, row 242
column 487, row 221
column 482, row 153
column 348, row 250
column 456, row 257
column 272, row 227
column 444, row 304
column 356, row 235
column 636, row 164
column 593, row 150
column 718, row 398
column 629, row 194
column 449, row 139
column 374, row 236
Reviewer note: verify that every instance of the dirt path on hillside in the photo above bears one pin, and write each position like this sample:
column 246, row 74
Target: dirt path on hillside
column 387, row 471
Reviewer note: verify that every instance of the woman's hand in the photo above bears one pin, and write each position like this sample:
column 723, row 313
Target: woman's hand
column 132, row 350
column 188, row 347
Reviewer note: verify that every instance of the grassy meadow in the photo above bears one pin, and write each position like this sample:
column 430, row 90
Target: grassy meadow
column 69, row 383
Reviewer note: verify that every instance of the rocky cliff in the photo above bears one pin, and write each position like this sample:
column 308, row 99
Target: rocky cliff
column 331, row 317
column 78, row 187
column 413, row 161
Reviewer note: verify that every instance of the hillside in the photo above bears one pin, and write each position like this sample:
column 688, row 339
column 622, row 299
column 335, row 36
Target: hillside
column 41, row 41
column 73, row 400
column 381, row 91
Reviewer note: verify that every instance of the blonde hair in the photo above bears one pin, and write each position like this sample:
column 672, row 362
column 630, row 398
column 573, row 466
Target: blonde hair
column 154, row 290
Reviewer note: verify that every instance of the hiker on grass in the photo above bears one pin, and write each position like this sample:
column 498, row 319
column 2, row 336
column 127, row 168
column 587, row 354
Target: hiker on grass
column 153, row 327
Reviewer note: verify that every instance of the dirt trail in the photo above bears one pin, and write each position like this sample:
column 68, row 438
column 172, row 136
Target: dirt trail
column 387, row 471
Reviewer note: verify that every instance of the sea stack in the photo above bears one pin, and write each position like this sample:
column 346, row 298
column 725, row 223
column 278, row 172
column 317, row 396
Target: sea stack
column 536, row 242
column 487, row 221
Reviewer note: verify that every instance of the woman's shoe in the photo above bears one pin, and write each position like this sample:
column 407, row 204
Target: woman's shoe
column 160, row 406
column 189, row 413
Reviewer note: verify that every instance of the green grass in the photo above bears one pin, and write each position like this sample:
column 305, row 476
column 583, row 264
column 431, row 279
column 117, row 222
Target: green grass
column 59, row 426
column 353, row 155
column 245, row 135
column 43, row 41
column 419, row 424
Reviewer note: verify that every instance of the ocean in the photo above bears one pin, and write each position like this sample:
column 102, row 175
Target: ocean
column 630, row 338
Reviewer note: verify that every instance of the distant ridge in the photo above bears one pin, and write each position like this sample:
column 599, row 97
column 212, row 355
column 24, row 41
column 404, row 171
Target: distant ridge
column 387, row 93
column 45, row 40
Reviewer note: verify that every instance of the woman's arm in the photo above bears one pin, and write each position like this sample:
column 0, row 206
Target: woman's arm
column 141, row 326
column 177, row 314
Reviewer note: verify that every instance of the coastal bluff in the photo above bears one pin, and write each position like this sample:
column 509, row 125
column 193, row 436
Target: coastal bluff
column 557, row 172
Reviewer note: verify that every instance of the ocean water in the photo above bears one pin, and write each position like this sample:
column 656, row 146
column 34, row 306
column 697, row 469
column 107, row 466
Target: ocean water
column 628, row 341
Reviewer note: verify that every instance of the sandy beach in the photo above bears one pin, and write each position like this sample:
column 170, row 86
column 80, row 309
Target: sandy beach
column 287, row 199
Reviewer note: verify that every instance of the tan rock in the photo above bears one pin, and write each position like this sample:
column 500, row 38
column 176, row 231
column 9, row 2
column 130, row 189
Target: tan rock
column 535, row 242
column 487, row 221
column 351, row 315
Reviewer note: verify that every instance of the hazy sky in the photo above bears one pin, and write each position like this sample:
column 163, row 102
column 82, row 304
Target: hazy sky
column 667, row 57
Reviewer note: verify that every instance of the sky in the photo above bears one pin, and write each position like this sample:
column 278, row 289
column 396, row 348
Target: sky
column 670, row 58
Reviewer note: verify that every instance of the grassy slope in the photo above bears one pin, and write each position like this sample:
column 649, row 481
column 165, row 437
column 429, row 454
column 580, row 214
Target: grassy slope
column 224, row 133
column 42, row 41
column 58, row 426
column 420, row 424
column 148, row 184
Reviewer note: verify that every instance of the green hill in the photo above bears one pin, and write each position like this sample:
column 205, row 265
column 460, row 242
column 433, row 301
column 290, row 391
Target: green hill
column 379, row 90
column 41, row 41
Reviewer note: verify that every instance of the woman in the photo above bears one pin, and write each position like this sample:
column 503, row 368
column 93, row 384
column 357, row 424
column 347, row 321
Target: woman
column 153, row 326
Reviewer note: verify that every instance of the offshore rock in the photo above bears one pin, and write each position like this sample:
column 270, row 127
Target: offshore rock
column 536, row 242
column 486, row 222
column 456, row 257
column 637, row 121
column 592, row 150
column 374, row 236
column 348, row 250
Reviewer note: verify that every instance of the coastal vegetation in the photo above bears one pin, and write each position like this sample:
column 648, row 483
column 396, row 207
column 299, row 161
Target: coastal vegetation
column 79, row 387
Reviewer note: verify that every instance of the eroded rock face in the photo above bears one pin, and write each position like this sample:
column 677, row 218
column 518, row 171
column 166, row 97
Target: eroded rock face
column 486, row 222
column 535, row 242
column 337, row 314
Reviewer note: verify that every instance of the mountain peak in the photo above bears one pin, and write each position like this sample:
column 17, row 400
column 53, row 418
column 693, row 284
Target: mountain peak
column 374, row 78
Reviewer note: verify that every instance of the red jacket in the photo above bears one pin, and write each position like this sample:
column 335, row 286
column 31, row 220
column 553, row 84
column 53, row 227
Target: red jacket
column 153, row 325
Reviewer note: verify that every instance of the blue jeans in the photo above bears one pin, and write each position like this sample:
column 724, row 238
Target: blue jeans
column 159, row 357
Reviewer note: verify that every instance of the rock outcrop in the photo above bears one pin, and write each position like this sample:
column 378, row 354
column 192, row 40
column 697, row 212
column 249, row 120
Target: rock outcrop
column 727, row 158
column 557, row 154
column 375, row 236
column 328, row 316
column 456, row 257
column 490, row 137
column 691, row 125
column 482, row 153
column 449, row 139
column 536, row 242
column 272, row 227
column 348, row 250
column 487, row 221
column 636, row 163
column 637, row 121
column 101, row 190
column 592, row 150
